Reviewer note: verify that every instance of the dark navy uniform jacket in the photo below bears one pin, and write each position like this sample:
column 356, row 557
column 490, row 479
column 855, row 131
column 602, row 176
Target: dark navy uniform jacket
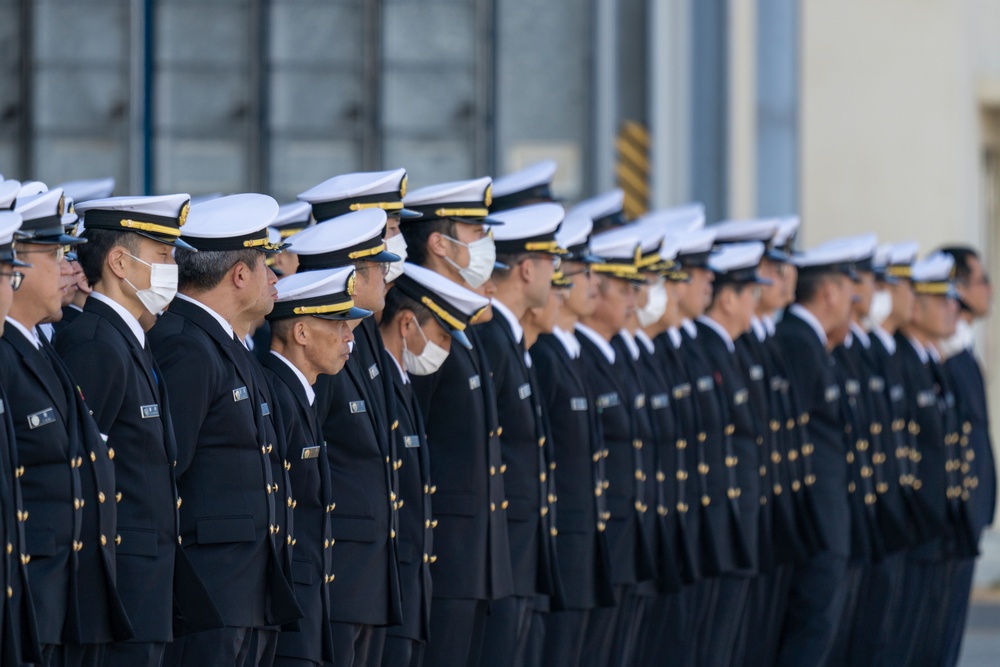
column 739, row 433
column 683, row 451
column 18, row 629
column 522, row 446
column 309, row 473
column 66, row 465
column 460, row 414
column 631, row 556
column 365, row 562
column 811, row 372
column 970, row 392
column 935, row 423
column 416, row 524
column 123, row 389
column 581, row 544
column 723, row 533
column 230, row 517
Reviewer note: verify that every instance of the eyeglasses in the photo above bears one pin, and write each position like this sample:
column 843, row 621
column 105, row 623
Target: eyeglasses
column 15, row 278
column 582, row 272
column 58, row 252
column 382, row 267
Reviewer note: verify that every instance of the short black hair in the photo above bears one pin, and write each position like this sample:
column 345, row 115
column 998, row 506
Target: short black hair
column 94, row 253
column 718, row 287
column 808, row 285
column 395, row 301
column 202, row 271
column 416, row 233
column 961, row 255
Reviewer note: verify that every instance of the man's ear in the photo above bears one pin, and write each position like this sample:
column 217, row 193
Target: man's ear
column 115, row 261
column 404, row 322
column 437, row 244
column 240, row 275
column 300, row 332
column 526, row 270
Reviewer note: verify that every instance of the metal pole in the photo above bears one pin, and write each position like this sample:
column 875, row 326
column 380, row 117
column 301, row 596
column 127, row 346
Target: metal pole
column 605, row 92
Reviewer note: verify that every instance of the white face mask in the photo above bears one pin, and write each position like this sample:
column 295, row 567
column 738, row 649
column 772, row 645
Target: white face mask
column 656, row 305
column 482, row 257
column 881, row 308
column 162, row 286
column 428, row 361
column 397, row 246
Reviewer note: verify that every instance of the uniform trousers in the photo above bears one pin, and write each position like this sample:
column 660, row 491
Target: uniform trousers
column 601, row 630
column 812, row 615
column 402, row 652
column 958, row 610
column 457, row 627
column 134, row 654
column 537, row 633
column 881, row 590
column 726, row 616
column 222, row 646
column 564, row 632
column 354, row 644
column 507, row 628
column 663, row 633
column 925, row 612
column 72, row 655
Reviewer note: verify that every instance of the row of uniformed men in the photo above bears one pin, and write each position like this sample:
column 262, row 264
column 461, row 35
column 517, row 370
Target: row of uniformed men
column 728, row 493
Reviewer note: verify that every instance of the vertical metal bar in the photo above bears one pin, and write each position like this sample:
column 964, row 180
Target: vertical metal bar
column 371, row 86
column 741, row 127
column 137, row 111
column 26, row 90
column 483, row 117
column 257, row 129
column 605, row 99
column 669, row 100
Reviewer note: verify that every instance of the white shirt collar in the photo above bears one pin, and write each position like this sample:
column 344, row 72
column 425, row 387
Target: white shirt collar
column 675, row 337
column 218, row 318
column 861, row 335
column 310, row 393
column 127, row 317
column 568, row 341
column 848, row 340
column 515, row 326
column 963, row 340
column 76, row 307
column 28, row 333
column 758, row 328
column 717, row 328
column 629, row 340
column 402, row 372
column 647, row 342
column 920, row 349
column 47, row 329
column 689, row 327
column 887, row 340
column 768, row 321
column 803, row 313
column 603, row 345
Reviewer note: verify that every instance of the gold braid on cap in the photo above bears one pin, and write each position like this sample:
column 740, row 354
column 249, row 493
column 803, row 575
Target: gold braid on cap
column 150, row 227
column 450, row 319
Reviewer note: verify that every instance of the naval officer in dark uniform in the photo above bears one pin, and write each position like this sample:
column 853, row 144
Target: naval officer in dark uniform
column 18, row 630
column 459, row 407
column 65, row 465
column 311, row 329
column 230, row 530
column 425, row 315
column 972, row 282
column 808, row 332
column 128, row 261
column 527, row 248
column 581, row 548
column 365, row 595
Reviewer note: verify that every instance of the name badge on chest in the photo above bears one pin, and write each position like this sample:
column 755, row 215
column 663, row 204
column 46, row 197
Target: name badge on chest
column 832, row 393
column 265, row 409
column 682, row 391
column 926, row 398
column 659, row 401
column 524, row 391
column 240, row 394
column 310, row 452
column 373, row 371
column 3, row 408
column 705, row 383
column 876, row 384
column 640, row 401
column 608, row 400
column 741, row 397
column 776, row 384
column 474, row 383
column 41, row 418
column 578, row 404
column 756, row 373
column 852, row 387
column 411, row 441
column 150, row 411
column 357, row 407
column 897, row 393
